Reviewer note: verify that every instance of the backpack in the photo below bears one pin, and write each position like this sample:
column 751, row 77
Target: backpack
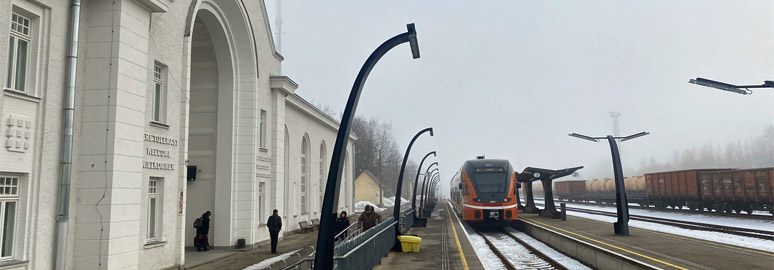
column 197, row 223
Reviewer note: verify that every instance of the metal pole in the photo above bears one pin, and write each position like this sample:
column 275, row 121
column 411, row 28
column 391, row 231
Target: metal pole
column 563, row 206
column 622, row 225
column 324, row 252
column 416, row 179
column 63, row 217
column 424, row 191
column 396, row 209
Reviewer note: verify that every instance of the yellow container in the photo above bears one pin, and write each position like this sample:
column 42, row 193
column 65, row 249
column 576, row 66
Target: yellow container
column 409, row 243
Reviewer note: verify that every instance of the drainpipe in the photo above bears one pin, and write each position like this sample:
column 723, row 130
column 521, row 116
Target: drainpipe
column 63, row 216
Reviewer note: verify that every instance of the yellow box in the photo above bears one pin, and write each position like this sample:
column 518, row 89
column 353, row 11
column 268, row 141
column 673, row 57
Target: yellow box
column 409, row 243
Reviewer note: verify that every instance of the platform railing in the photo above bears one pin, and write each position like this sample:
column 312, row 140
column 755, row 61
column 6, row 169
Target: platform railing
column 406, row 220
column 364, row 249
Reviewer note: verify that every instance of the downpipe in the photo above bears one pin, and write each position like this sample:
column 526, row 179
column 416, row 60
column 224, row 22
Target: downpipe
column 63, row 216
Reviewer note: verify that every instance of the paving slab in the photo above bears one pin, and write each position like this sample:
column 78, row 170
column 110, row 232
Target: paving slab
column 444, row 245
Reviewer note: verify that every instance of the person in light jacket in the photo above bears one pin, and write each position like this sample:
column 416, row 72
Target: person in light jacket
column 275, row 225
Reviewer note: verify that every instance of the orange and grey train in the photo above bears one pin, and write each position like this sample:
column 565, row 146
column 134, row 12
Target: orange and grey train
column 484, row 192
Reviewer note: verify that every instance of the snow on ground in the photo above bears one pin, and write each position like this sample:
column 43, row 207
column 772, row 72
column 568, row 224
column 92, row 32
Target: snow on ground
column 360, row 207
column 729, row 239
column 517, row 254
column 740, row 222
column 390, row 202
column 485, row 255
column 266, row 263
column 568, row 262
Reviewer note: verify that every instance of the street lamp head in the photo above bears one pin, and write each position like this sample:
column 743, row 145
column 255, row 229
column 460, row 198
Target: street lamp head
column 412, row 31
column 431, row 132
column 634, row 136
column 579, row 136
column 720, row 85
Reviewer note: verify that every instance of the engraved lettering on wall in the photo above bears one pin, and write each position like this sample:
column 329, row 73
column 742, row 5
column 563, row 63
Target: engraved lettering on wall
column 160, row 149
column 263, row 167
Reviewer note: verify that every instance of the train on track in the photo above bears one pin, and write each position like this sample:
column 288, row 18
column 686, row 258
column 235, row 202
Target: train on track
column 483, row 192
column 721, row 190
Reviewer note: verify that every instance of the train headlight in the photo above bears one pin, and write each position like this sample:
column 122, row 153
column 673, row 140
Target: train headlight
column 536, row 175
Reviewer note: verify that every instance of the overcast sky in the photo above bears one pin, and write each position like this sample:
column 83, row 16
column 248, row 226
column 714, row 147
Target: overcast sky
column 511, row 79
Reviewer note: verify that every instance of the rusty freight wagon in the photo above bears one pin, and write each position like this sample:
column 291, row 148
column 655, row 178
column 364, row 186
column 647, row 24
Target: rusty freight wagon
column 738, row 190
column 676, row 189
column 574, row 191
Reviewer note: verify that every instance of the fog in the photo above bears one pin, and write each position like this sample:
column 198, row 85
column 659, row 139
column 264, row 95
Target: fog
column 510, row 80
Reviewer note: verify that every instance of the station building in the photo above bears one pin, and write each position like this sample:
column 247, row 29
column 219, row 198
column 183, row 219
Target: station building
column 181, row 107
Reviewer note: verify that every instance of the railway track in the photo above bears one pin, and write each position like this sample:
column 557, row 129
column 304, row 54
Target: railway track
column 768, row 235
column 678, row 210
column 529, row 257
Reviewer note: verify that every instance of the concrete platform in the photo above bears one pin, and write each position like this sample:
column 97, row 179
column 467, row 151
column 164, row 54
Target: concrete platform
column 651, row 248
column 444, row 246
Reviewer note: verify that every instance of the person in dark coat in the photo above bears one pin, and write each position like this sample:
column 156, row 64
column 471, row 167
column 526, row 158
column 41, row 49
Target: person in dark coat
column 202, row 233
column 275, row 225
column 342, row 224
column 369, row 218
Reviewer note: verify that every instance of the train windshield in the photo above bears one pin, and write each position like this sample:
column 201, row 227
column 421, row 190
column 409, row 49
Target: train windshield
column 491, row 182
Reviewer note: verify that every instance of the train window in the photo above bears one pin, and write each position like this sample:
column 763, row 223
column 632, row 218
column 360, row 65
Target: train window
column 491, row 182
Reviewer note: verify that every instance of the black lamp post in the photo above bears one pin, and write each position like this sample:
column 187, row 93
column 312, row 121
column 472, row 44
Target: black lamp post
column 416, row 179
column 622, row 204
column 324, row 252
column 739, row 89
column 396, row 209
column 426, row 189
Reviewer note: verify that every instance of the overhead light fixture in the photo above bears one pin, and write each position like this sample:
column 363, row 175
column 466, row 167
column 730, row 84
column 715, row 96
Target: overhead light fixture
column 580, row 136
column 739, row 89
column 634, row 136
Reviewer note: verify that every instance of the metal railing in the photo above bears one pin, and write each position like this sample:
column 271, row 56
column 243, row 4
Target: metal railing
column 364, row 249
column 406, row 220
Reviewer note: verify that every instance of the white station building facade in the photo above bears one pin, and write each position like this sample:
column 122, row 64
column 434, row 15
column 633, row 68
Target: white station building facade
column 180, row 108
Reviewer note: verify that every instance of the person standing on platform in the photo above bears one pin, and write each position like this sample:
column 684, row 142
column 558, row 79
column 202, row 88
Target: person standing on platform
column 202, row 225
column 341, row 225
column 369, row 218
column 275, row 225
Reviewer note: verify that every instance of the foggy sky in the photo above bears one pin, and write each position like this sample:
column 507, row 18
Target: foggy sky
column 511, row 79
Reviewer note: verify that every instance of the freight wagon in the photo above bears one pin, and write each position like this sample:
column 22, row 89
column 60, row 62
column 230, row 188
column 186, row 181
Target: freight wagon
column 722, row 190
column 601, row 191
column 737, row 190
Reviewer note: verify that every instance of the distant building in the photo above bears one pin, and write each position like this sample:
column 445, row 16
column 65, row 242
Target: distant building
column 368, row 188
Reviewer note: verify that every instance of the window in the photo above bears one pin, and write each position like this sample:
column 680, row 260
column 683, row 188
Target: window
column 159, row 94
column 18, row 53
column 322, row 172
column 261, row 205
column 155, row 186
column 263, row 129
column 9, row 201
column 304, row 167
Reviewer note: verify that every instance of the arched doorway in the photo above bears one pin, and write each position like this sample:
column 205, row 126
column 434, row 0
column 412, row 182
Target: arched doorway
column 222, row 73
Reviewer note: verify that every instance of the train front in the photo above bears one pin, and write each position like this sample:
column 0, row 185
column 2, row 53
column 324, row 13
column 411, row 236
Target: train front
column 489, row 192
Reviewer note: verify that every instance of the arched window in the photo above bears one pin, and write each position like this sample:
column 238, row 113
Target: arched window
column 322, row 172
column 304, row 172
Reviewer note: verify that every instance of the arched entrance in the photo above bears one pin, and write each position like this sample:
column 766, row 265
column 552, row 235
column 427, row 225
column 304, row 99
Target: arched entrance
column 222, row 90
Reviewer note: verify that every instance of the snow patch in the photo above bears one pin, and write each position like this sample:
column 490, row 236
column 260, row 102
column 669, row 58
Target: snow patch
column 568, row 262
column 268, row 262
column 360, row 207
column 390, row 202
column 725, row 238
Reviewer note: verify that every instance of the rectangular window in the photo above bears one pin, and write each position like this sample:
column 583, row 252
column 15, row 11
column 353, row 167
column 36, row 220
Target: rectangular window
column 9, row 200
column 159, row 94
column 155, row 186
column 261, row 205
column 18, row 53
column 263, row 129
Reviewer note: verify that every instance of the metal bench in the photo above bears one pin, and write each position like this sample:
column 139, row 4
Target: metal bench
column 305, row 226
column 316, row 223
